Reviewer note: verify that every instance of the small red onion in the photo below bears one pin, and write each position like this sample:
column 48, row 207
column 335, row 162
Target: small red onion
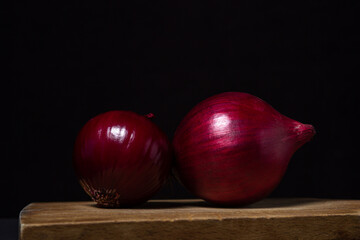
column 121, row 158
column 233, row 148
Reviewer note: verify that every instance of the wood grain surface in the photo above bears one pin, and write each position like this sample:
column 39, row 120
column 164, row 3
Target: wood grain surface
column 194, row 219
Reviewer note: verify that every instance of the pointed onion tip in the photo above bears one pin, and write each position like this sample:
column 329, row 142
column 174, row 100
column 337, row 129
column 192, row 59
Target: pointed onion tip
column 305, row 132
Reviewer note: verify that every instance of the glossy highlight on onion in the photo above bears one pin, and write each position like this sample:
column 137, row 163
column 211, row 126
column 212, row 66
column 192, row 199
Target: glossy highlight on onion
column 121, row 158
column 233, row 148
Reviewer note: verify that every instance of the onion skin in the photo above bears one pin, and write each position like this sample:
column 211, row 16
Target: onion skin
column 121, row 158
column 232, row 149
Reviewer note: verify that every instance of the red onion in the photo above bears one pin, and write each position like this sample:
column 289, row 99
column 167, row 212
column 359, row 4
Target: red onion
column 233, row 148
column 121, row 158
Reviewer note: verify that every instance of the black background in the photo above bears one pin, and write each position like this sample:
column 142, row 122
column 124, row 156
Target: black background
column 71, row 60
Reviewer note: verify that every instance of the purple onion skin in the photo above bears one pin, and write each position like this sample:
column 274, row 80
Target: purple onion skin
column 232, row 149
column 121, row 158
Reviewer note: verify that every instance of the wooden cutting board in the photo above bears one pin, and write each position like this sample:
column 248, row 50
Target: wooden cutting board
column 194, row 219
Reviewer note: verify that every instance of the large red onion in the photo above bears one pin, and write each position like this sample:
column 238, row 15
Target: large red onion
column 233, row 148
column 121, row 158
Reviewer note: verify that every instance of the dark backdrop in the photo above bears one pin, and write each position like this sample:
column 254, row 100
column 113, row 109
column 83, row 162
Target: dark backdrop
column 71, row 60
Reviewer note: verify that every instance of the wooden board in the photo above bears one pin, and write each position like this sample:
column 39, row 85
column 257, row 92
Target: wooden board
column 194, row 219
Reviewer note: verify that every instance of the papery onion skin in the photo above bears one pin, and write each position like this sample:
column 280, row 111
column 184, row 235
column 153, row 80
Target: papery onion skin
column 121, row 158
column 232, row 149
